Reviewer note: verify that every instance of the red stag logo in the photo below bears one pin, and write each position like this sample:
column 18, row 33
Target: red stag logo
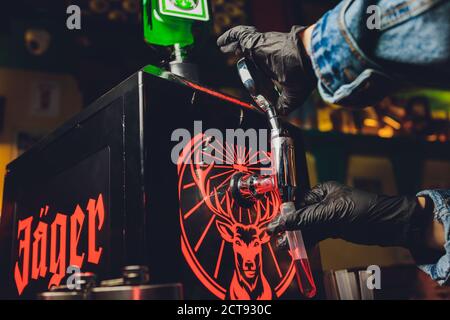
column 215, row 231
column 249, row 281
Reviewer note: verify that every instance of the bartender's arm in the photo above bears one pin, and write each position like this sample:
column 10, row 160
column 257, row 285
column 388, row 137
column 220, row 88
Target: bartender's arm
column 434, row 235
column 354, row 65
column 421, row 223
column 350, row 62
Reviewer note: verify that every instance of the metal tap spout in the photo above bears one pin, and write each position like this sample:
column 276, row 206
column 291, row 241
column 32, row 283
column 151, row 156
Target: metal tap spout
column 282, row 145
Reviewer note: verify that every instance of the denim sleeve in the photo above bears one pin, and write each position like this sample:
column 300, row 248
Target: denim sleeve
column 357, row 65
column 440, row 271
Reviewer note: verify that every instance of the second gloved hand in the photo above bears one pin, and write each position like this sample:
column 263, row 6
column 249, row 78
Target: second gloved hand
column 332, row 210
column 281, row 56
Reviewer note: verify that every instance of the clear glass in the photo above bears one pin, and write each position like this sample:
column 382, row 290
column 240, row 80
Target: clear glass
column 305, row 280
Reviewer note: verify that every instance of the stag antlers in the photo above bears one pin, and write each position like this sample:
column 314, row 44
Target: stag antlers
column 200, row 175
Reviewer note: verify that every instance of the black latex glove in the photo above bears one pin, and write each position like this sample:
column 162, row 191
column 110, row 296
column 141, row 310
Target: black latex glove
column 332, row 210
column 280, row 56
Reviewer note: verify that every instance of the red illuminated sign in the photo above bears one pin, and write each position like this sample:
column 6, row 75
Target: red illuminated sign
column 219, row 95
column 211, row 221
column 42, row 249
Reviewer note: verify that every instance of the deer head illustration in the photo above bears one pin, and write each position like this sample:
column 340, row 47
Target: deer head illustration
column 249, row 281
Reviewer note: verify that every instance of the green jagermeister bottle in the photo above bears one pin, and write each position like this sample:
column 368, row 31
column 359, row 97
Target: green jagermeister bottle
column 164, row 30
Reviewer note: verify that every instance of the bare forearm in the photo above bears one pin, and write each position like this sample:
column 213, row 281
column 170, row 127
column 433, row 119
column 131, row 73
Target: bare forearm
column 435, row 233
column 305, row 37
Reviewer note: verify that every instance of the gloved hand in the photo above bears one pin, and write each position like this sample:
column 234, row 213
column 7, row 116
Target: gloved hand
column 332, row 210
column 280, row 56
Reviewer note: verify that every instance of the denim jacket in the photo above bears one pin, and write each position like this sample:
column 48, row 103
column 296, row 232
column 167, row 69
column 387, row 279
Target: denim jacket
column 356, row 65
column 440, row 271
